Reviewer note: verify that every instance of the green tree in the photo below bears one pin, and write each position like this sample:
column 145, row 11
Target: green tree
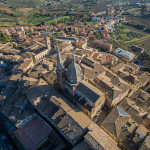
column 143, row 9
column 14, row 46
column 97, row 35
column 4, row 38
column 57, row 33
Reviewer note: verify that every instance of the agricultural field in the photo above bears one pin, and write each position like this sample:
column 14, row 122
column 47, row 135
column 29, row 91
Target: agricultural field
column 125, row 37
column 143, row 42
column 33, row 18
column 131, row 11
column 6, row 8
column 143, row 20
column 134, row 29
column 24, row 2
column 93, row 5
column 35, row 12
column 25, row 10
column 90, row 23
column 57, row 19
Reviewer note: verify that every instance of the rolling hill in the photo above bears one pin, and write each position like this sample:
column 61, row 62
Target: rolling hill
column 24, row 2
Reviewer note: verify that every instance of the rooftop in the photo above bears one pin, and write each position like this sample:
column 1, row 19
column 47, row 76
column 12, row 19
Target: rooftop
column 66, row 38
column 102, row 42
column 26, row 63
column 89, row 91
column 82, row 146
column 33, row 133
column 124, row 53
column 122, row 125
column 103, row 139
column 58, row 110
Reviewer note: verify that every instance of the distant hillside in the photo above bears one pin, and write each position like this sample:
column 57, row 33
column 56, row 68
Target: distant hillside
column 24, row 2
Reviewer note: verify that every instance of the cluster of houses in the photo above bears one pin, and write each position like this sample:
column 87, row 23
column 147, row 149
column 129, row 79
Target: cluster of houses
column 60, row 92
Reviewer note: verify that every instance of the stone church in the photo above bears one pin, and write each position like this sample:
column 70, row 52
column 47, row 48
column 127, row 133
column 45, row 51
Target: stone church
column 71, row 81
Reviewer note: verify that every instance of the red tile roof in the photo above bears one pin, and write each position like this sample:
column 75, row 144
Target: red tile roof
column 33, row 133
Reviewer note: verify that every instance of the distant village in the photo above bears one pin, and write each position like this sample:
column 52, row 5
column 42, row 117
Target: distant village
column 62, row 88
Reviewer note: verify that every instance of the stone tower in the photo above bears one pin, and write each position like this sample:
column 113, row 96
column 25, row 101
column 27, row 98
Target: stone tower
column 48, row 43
column 60, row 70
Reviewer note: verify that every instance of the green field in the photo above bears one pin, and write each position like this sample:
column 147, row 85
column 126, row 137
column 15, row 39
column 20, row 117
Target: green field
column 131, row 11
column 143, row 42
column 7, row 24
column 124, row 37
column 143, row 20
column 5, row 8
column 24, row 2
column 35, row 12
column 34, row 19
column 57, row 19
column 25, row 10
column 8, row 10
column 90, row 23
column 127, row 35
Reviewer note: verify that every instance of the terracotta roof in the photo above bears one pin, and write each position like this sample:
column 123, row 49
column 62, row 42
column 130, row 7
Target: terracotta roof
column 33, row 133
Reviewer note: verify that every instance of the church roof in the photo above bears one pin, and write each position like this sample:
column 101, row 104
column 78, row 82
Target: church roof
column 89, row 91
column 74, row 74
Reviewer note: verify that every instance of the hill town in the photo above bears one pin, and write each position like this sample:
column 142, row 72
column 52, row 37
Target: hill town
column 80, row 84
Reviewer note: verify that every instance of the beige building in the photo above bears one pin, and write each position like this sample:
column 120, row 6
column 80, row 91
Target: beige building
column 38, row 50
column 97, row 139
column 63, row 45
column 90, row 99
column 132, row 74
column 114, row 88
column 40, row 54
column 90, row 68
column 26, row 65
column 48, row 64
column 81, row 44
column 102, row 45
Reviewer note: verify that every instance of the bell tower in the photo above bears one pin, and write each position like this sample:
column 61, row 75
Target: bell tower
column 48, row 43
column 60, row 70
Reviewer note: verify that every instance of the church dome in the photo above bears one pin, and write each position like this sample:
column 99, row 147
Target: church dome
column 74, row 74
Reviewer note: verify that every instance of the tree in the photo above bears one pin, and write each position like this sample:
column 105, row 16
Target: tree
column 14, row 46
column 143, row 9
column 91, row 39
column 97, row 35
column 57, row 33
column 4, row 38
